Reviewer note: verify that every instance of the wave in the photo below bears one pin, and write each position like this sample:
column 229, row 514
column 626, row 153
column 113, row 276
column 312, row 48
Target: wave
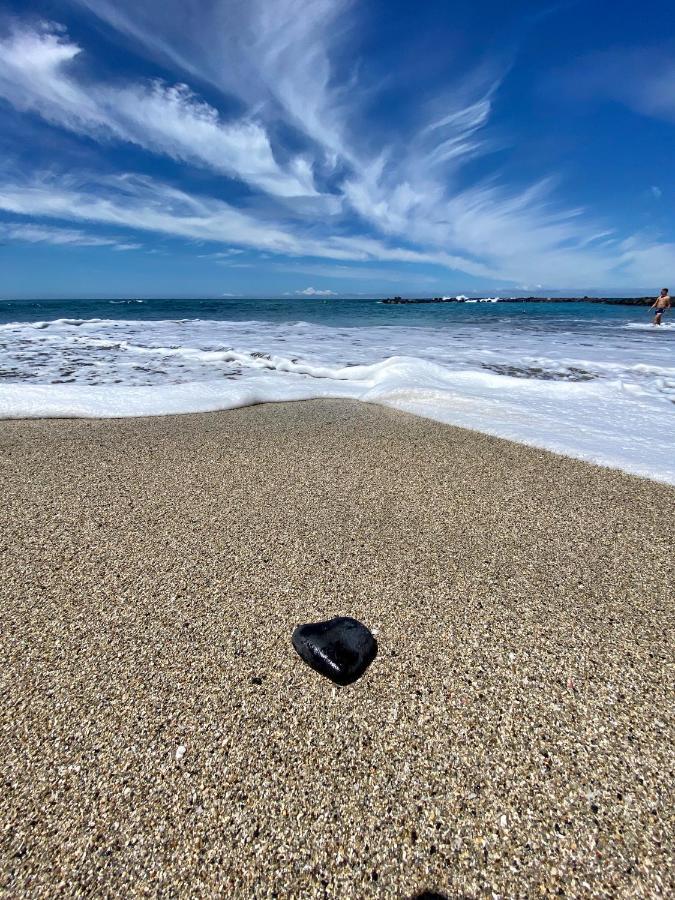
column 605, row 396
column 10, row 326
column 483, row 300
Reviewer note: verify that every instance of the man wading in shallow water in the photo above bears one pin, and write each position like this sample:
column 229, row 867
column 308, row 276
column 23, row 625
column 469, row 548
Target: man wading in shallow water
column 661, row 305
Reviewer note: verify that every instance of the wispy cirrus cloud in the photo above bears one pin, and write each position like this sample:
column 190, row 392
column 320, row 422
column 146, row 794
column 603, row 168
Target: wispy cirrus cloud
column 145, row 204
column 222, row 254
column 141, row 203
column 400, row 195
column 290, row 61
column 287, row 58
column 278, row 55
column 50, row 234
column 40, row 75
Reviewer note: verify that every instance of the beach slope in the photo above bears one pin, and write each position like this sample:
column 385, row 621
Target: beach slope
column 160, row 737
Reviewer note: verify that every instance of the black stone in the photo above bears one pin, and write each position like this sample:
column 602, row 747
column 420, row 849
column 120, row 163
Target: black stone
column 341, row 648
column 430, row 895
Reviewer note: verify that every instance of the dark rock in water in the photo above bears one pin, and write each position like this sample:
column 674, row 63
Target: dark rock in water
column 341, row 648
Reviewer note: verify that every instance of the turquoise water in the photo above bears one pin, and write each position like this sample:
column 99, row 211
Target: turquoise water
column 585, row 379
column 330, row 312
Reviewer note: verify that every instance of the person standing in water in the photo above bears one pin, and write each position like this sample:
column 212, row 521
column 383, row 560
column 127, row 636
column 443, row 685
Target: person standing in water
column 661, row 304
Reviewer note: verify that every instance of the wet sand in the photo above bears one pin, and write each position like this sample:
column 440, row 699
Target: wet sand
column 514, row 737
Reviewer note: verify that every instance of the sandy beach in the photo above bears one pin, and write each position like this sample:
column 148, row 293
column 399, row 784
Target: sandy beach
column 160, row 737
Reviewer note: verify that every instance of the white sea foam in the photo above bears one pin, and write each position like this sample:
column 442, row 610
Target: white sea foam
column 650, row 326
column 607, row 396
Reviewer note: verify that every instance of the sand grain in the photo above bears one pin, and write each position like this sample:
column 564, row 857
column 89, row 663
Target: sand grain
column 513, row 738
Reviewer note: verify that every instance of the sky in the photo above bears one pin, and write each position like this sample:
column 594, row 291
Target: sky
column 326, row 148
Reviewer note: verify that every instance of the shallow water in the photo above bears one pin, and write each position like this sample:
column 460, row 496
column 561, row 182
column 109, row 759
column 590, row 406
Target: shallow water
column 587, row 380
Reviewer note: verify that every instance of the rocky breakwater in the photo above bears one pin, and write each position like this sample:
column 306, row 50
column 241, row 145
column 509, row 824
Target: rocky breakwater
column 612, row 301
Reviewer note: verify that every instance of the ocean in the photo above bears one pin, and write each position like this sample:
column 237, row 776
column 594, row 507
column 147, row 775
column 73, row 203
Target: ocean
column 591, row 381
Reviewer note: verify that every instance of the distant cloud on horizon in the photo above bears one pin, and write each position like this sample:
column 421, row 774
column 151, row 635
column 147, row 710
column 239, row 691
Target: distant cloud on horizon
column 313, row 292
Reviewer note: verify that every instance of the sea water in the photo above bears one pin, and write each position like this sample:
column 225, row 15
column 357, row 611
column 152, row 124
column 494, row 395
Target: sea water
column 591, row 381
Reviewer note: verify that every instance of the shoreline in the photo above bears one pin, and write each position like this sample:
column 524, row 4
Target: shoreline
column 581, row 456
column 512, row 735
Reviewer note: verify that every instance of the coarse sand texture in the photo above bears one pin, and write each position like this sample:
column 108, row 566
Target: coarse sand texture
column 160, row 737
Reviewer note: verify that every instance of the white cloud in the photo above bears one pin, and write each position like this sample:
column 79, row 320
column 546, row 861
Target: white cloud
column 313, row 292
column 39, row 74
column 284, row 62
column 49, row 234
column 648, row 262
column 222, row 254
column 511, row 235
column 145, row 204
column 656, row 191
column 276, row 54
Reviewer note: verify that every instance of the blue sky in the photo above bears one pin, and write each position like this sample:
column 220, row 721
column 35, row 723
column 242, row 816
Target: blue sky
column 335, row 147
